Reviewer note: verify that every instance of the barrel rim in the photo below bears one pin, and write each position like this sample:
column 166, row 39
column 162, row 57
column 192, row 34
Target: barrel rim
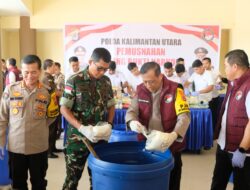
column 100, row 164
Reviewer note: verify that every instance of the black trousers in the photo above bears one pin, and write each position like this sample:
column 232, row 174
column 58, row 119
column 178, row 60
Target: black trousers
column 223, row 169
column 52, row 136
column 59, row 127
column 214, row 106
column 36, row 164
column 175, row 176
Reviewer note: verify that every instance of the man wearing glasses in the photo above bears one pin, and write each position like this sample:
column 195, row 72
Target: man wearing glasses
column 87, row 96
column 161, row 113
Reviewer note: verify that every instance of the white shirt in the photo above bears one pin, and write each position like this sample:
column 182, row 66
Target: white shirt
column 71, row 72
column 222, row 136
column 215, row 75
column 134, row 81
column 174, row 78
column 184, row 77
column 201, row 82
column 116, row 78
column 12, row 77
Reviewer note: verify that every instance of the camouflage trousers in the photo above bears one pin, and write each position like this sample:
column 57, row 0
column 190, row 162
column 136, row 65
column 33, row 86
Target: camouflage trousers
column 75, row 162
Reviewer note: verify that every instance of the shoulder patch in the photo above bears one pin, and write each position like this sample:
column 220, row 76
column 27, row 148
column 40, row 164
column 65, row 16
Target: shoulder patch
column 5, row 95
column 181, row 104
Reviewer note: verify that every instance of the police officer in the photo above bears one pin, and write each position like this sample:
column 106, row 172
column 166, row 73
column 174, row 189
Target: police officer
column 233, row 126
column 87, row 96
column 4, row 72
column 14, row 74
column 23, row 111
column 60, row 84
column 48, row 81
column 161, row 113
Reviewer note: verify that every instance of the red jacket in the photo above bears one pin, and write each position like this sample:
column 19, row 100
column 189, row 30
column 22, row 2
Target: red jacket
column 237, row 118
column 17, row 73
column 167, row 108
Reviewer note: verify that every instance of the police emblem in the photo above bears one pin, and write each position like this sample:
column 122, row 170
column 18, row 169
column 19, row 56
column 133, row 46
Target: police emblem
column 168, row 98
column 15, row 111
column 40, row 114
column 238, row 95
column 13, row 104
column 19, row 104
column 208, row 35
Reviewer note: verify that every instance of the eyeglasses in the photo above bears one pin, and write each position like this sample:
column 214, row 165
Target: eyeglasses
column 98, row 68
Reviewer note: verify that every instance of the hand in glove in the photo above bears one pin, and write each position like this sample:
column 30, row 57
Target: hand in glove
column 186, row 91
column 195, row 93
column 1, row 153
column 217, row 87
column 87, row 131
column 137, row 127
column 238, row 159
column 102, row 132
column 160, row 141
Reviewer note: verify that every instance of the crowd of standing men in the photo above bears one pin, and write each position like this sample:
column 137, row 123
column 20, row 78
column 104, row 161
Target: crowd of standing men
column 159, row 110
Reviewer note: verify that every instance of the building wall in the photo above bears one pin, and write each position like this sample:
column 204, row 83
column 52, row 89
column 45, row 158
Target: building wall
column 50, row 45
column 10, row 44
column 9, row 35
column 49, row 18
column 54, row 14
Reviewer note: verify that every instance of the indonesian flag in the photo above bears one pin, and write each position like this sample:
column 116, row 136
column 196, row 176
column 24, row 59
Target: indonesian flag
column 68, row 89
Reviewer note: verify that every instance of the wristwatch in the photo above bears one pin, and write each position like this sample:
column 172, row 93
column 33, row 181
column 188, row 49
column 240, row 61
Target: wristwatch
column 242, row 150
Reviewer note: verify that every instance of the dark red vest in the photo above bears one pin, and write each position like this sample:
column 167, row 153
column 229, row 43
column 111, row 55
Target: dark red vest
column 237, row 118
column 167, row 108
column 17, row 73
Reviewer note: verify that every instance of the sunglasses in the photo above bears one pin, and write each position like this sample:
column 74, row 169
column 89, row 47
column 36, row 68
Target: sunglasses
column 98, row 68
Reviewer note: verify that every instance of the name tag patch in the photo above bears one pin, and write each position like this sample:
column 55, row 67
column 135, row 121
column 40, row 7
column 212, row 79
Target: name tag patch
column 142, row 100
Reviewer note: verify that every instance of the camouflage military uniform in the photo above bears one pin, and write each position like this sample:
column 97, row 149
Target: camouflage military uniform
column 88, row 99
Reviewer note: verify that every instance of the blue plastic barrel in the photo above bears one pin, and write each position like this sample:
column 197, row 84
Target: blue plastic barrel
column 127, row 166
column 119, row 133
column 4, row 170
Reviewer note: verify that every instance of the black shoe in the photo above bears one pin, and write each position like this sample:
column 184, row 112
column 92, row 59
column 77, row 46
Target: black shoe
column 57, row 150
column 51, row 155
column 206, row 148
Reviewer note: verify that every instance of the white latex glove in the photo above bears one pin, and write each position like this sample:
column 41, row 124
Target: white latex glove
column 87, row 131
column 137, row 127
column 102, row 132
column 160, row 141
column 1, row 153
